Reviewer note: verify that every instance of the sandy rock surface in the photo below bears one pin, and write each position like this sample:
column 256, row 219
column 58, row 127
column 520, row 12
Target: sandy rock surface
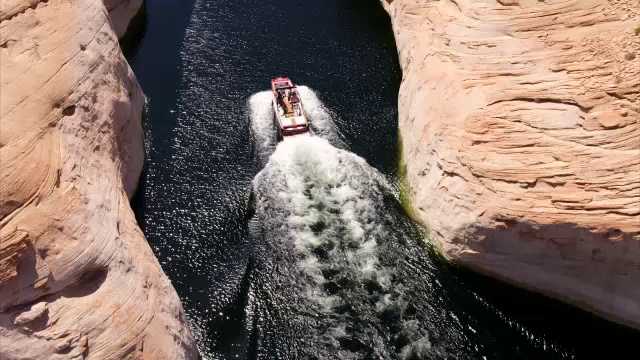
column 77, row 278
column 520, row 121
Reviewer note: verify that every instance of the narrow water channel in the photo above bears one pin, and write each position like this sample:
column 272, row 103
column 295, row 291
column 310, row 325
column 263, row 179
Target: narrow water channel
column 300, row 249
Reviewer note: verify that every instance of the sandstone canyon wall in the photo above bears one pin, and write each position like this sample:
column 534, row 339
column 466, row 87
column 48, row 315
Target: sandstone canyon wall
column 77, row 278
column 520, row 127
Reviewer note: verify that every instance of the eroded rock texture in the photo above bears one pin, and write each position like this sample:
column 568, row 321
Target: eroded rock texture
column 521, row 137
column 77, row 278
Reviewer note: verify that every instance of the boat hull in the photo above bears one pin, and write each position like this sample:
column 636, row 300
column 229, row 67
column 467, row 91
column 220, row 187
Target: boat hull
column 279, row 120
column 289, row 116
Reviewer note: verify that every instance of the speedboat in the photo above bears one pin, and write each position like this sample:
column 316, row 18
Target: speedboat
column 290, row 117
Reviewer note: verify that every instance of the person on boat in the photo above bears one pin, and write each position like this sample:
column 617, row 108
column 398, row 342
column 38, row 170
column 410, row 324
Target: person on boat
column 294, row 96
column 288, row 108
column 281, row 97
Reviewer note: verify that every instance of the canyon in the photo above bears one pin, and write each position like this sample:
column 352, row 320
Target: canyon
column 77, row 277
column 519, row 121
column 520, row 126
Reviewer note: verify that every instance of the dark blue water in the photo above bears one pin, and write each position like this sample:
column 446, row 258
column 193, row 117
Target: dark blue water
column 301, row 250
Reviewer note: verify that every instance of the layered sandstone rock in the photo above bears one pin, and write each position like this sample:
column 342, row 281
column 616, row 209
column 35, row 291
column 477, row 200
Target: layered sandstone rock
column 77, row 278
column 522, row 143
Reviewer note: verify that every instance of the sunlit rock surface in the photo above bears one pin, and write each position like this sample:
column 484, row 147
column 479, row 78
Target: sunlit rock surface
column 520, row 128
column 77, row 278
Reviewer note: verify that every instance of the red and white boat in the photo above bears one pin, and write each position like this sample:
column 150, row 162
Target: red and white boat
column 290, row 117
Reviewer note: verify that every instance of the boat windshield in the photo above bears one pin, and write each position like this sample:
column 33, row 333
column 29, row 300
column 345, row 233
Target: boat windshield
column 282, row 85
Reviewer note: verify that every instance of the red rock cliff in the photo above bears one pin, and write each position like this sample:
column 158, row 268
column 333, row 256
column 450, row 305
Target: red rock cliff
column 77, row 277
column 520, row 121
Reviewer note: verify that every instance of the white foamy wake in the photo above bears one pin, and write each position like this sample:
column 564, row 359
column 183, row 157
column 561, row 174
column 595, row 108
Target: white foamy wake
column 327, row 204
column 321, row 119
column 323, row 197
column 263, row 124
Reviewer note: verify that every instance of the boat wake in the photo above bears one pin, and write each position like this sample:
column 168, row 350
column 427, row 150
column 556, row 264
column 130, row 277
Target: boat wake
column 262, row 123
column 330, row 246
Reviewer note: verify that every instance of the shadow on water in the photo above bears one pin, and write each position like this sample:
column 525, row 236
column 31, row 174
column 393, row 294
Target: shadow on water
column 131, row 40
column 152, row 47
column 548, row 323
column 353, row 279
